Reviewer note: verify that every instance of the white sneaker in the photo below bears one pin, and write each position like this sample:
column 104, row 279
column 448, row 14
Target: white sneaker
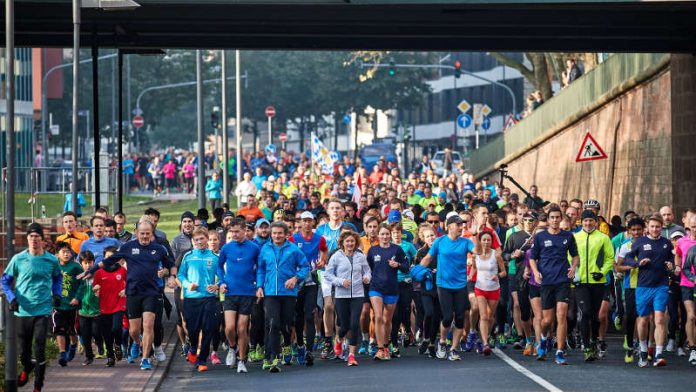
column 241, row 366
column 670, row 346
column 692, row 357
column 231, row 358
column 441, row 351
column 681, row 352
column 160, row 356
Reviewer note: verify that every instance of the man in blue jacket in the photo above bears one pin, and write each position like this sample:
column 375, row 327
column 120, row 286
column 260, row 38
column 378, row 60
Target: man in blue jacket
column 237, row 267
column 282, row 266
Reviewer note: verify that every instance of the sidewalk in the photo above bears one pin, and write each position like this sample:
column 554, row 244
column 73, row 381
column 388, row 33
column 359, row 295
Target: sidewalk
column 123, row 377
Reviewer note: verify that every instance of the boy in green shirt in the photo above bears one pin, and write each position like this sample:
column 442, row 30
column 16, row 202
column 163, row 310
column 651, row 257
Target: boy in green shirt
column 66, row 313
column 89, row 311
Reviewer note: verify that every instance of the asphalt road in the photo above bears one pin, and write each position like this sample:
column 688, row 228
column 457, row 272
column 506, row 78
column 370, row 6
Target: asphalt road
column 415, row 373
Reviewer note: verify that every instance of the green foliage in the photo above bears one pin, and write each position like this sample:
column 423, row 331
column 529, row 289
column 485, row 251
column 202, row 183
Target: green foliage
column 51, row 354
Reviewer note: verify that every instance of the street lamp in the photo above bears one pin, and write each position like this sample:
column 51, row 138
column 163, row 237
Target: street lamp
column 370, row 112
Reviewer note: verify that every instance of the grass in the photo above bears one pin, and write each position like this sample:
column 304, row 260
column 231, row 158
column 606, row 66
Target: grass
column 134, row 206
column 51, row 354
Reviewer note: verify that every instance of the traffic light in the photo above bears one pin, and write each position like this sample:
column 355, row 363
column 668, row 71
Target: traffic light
column 392, row 67
column 215, row 118
column 457, row 69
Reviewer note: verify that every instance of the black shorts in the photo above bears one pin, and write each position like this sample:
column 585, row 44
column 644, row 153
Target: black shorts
column 136, row 305
column 514, row 284
column 534, row 291
column 64, row 322
column 606, row 296
column 553, row 294
column 241, row 304
column 687, row 293
column 470, row 285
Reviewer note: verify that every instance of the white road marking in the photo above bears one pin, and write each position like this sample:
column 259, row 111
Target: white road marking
column 526, row 372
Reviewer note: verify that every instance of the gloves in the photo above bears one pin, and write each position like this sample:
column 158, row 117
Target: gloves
column 56, row 300
column 597, row 276
column 14, row 306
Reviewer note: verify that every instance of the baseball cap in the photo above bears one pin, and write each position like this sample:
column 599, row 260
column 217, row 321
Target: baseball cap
column 409, row 214
column 250, row 225
column 591, row 203
column 261, row 222
column 394, row 216
column 531, row 215
column 35, row 228
column 188, row 214
column 450, row 214
column 588, row 214
column 677, row 234
column 454, row 219
column 227, row 213
column 306, row 215
column 442, row 195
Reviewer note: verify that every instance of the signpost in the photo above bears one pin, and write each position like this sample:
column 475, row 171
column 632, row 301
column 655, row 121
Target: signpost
column 464, row 121
column 283, row 137
column 270, row 113
column 138, row 121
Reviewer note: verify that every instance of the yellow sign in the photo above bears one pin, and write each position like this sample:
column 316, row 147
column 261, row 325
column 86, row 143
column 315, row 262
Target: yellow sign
column 464, row 106
column 486, row 110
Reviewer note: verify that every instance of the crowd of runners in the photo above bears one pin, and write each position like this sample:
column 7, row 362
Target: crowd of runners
column 350, row 267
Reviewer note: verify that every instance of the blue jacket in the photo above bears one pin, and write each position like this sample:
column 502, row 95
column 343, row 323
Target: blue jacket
column 80, row 203
column 214, row 188
column 278, row 264
column 424, row 275
column 198, row 266
column 237, row 266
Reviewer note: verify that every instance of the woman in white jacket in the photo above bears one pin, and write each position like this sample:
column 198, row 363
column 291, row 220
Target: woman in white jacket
column 348, row 271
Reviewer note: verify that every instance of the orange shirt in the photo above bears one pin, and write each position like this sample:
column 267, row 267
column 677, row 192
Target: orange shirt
column 366, row 244
column 74, row 239
column 250, row 214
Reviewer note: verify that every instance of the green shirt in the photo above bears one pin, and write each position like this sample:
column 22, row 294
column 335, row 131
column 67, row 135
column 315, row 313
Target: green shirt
column 33, row 280
column 413, row 199
column 425, row 201
column 70, row 270
column 89, row 303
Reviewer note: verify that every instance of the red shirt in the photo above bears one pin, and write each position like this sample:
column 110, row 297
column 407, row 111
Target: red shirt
column 111, row 284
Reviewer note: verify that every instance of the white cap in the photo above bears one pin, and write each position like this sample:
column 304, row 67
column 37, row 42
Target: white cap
column 409, row 214
column 306, row 215
column 451, row 213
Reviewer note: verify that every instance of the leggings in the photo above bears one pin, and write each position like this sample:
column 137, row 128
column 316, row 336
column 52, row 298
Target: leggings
column 89, row 329
column 419, row 310
column 304, row 315
column 630, row 314
column 502, row 309
column 525, row 304
column 159, row 326
column 402, row 313
column 219, row 334
column 589, row 298
column 348, row 311
column 201, row 315
column 32, row 330
column 454, row 304
column 110, row 326
column 677, row 314
column 432, row 315
column 280, row 311
column 257, row 330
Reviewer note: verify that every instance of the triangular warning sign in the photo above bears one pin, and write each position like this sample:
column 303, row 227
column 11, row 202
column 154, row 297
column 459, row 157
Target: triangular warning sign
column 590, row 150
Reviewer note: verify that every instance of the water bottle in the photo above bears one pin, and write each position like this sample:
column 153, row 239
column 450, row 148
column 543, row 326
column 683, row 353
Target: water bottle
column 43, row 211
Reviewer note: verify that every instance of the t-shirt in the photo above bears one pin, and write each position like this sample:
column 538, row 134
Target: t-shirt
column 251, row 214
column 551, row 251
column 331, row 235
column 97, row 246
column 630, row 277
column 69, row 270
column 659, row 251
column 36, row 279
column 384, row 277
column 451, row 261
column 683, row 246
column 143, row 263
column 310, row 247
column 238, row 262
column 111, row 284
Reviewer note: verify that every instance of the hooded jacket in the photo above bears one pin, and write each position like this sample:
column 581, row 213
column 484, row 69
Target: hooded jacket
column 596, row 255
column 277, row 264
column 341, row 268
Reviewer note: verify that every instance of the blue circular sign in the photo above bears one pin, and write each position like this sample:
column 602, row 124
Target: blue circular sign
column 486, row 123
column 271, row 148
column 346, row 119
column 464, row 121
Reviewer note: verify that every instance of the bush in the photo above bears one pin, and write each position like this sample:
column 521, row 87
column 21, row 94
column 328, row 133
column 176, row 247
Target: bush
column 51, row 354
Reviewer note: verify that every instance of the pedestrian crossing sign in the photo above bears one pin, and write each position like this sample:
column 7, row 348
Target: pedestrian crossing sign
column 590, row 150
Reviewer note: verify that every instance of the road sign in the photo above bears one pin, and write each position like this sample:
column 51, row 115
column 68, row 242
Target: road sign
column 486, row 110
column 510, row 122
column 464, row 106
column 270, row 111
column 590, row 150
column 137, row 112
column 464, row 121
column 55, row 129
column 346, row 119
column 478, row 115
column 138, row 121
column 283, row 137
column 486, row 124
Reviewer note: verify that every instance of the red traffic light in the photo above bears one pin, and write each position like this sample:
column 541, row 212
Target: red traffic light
column 458, row 64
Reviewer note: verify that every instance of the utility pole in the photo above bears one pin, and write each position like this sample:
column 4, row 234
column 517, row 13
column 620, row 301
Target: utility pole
column 238, row 92
column 199, row 111
column 225, row 134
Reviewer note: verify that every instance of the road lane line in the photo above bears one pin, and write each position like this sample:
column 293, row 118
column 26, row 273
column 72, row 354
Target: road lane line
column 526, row 372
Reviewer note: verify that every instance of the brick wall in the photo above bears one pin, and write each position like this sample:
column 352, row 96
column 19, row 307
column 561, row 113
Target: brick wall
column 683, row 68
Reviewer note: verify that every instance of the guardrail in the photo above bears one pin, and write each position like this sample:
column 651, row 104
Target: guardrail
column 613, row 77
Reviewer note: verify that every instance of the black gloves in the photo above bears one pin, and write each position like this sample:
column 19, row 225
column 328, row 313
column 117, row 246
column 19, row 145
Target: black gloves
column 597, row 276
column 56, row 300
column 14, row 306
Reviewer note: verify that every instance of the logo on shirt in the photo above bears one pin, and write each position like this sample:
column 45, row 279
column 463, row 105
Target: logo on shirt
column 209, row 263
column 299, row 245
column 565, row 242
column 135, row 251
column 648, row 247
column 378, row 258
column 664, row 246
column 153, row 251
column 548, row 243
column 239, row 259
column 119, row 277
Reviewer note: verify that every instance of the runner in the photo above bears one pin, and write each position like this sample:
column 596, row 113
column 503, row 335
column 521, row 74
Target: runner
column 64, row 316
column 348, row 271
column 88, row 313
column 635, row 230
column 72, row 236
column 181, row 244
column 99, row 240
column 37, row 289
column 549, row 264
column 687, row 284
column 402, row 314
column 432, row 314
column 488, row 268
column 237, row 268
column 110, row 286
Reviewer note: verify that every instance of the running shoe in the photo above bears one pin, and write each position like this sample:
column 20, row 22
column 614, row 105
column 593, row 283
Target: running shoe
column 394, row 351
column 432, row 351
column 603, row 351
column 363, row 348
column 185, row 348
column 23, row 378
column 382, row 355
column 651, row 353
column 231, row 357
column 338, row 348
column 660, row 361
column 111, row 362
column 625, row 344
column 643, row 359
column 191, row 357
column 63, row 359
column 692, row 356
column 528, row 349
column 202, row 368
column 301, row 353
column 618, row 323
column 628, row 358
column 294, row 350
column 259, row 352
column 351, row 360
column 287, row 355
column 518, row 344
column 241, row 366
column 160, row 356
column 560, row 358
column 470, row 341
column 681, row 352
column 454, row 356
column 214, row 359
column 309, row 359
column 89, row 361
column 423, row 347
column 118, row 352
column 670, row 346
column 441, row 350
column 502, row 342
column 275, row 366
column 266, row 364
column 145, row 364
column 541, row 351
column 410, row 341
column 100, row 355
column 134, row 353
column 588, row 354
column 372, row 349
column 487, row 350
column 326, row 352
column 479, row 346
column 72, row 350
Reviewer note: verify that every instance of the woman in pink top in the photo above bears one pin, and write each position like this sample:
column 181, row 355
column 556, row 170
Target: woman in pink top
column 687, row 286
column 189, row 170
column 169, row 171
